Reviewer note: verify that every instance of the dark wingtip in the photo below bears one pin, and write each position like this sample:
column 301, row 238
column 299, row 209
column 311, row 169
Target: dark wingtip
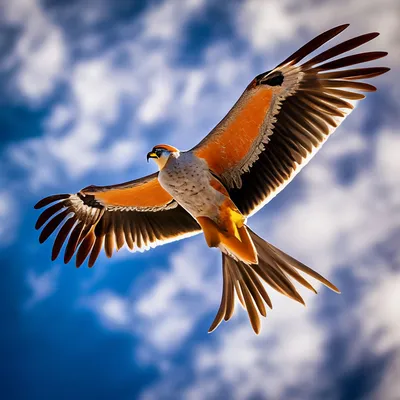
column 342, row 27
column 336, row 30
column 369, row 36
column 50, row 199
column 314, row 44
column 52, row 225
column 42, row 239
column 47, row 214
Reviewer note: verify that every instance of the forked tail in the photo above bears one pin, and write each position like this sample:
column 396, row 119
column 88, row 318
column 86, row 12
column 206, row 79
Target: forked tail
column 275, row 268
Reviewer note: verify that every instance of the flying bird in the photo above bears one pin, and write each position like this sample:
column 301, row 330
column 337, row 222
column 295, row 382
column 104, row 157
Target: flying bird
column 278, row 124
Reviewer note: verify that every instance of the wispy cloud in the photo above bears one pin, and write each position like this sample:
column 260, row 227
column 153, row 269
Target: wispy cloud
column 114, row 310
column 9, row 217
column 188, row 284
column 290, row 21
column 183, row 289
column 41, row 285
column 40, row 55
column 101, row 92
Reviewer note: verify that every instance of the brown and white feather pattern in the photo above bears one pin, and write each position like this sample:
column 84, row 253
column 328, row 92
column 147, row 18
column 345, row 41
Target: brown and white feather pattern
column 87, row 225
column 305, row 114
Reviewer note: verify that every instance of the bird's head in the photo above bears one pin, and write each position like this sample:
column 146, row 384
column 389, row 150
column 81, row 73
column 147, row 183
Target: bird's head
column 161, row 154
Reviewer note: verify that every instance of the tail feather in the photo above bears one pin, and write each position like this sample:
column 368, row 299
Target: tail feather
column 300, row 266
column 241, row 248
column 275, row 268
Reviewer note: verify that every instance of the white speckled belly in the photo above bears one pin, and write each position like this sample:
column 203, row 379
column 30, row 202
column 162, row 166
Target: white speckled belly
column 187, row 179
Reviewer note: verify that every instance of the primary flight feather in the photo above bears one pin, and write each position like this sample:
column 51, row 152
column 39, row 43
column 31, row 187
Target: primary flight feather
column 281, row 120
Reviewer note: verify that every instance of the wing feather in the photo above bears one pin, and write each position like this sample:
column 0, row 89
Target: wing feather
column 314, row 44
column 85, row 248
column 304, row 105
column 61, row 237
column 139, row 214
column 98, row 245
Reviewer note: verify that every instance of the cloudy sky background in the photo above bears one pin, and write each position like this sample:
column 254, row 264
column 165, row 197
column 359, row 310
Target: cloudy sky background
column 85, row 91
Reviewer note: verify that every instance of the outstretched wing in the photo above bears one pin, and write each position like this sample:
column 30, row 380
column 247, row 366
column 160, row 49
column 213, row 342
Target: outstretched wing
column 140, row 214
column 283, row 118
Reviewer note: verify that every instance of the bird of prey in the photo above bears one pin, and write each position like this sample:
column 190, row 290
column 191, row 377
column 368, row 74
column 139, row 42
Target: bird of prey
column 278, row 124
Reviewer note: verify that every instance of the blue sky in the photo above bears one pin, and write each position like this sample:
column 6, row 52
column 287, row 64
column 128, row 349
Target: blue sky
column 86, row 90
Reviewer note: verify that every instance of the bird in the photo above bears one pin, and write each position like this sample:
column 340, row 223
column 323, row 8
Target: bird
column 277, row 125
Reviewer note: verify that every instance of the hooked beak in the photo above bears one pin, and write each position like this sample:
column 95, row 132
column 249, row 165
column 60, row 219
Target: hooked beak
column 151, row 155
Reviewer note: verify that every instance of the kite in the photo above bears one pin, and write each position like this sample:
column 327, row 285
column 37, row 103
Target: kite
column 278, row 124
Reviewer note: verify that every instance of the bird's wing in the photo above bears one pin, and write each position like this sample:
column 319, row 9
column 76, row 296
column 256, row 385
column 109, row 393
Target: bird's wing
column 140, row 214
column 283, row 118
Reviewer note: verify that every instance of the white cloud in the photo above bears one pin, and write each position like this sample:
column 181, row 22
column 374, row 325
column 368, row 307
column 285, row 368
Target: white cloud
column 389, row 388
column 78, row 148
column 160, row 301
column 349, row 219
column 123, row 153
column 33, row 156
column 388, row 162
column 241, row 364
column 384, row 294
column 160, row 20
column 171, row 298
column 147, row 82
column 9, row 217
column 351, row 143
column 42, row 285
column 268, row 25
column 194, row 83
column 40, row 54
column 113, row 310
column 97, row 88
column 43, row 66
column 59, row 118
column 291, row 345
column 265, row 24
column 160, row 94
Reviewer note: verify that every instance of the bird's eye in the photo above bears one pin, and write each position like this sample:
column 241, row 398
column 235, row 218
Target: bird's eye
column 158, row 152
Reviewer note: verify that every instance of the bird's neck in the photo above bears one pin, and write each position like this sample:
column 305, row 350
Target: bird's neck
column 162, row 162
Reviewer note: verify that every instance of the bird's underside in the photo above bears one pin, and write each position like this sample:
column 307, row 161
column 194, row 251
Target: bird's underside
column 281, row 120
